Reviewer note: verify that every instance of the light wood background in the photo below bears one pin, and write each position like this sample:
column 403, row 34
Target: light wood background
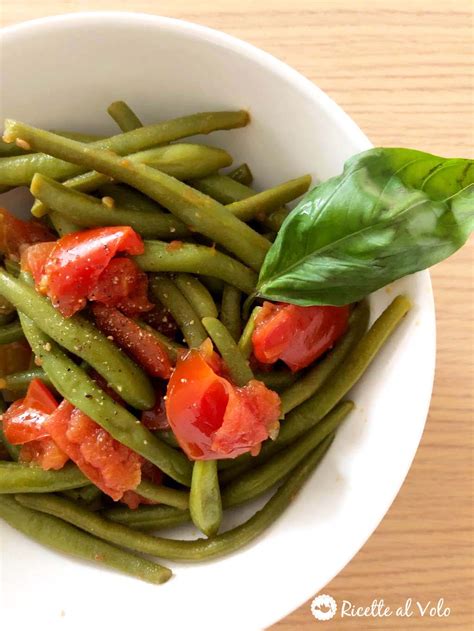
column 403, row 70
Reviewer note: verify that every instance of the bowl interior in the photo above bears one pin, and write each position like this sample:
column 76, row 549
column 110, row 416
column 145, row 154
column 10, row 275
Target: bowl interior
column 62, row 73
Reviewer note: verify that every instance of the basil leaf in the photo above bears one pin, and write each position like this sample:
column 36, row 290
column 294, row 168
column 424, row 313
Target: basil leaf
column 390, row 213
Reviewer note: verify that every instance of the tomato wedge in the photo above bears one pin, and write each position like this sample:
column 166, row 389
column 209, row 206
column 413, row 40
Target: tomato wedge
column 75, row 264
column 16, row 234
column 44, row 453
column 33, row 259
column 211, row 418
column 111, row 466
column 296, row 335
column 142, row 345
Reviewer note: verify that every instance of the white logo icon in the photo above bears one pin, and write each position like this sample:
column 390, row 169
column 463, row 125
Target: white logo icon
column 323, row 607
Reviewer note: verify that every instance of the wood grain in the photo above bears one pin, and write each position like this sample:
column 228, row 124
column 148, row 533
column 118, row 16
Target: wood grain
column 403, row 70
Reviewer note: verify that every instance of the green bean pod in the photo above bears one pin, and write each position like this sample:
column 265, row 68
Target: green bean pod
column 85, row 211
column 80, row 337
column 236, row 363
column 186, row 317
column 196, row 259
column 172, row 348
column 163, row 494
column 242, row 174
column 12, row 450
column 62, row 224
column 25, row 478
column 230, row 311
column 197, row 550
column 11, row 333
column 205, row 504
column 260, row 479
column 58, row 535
column 130, row 198
column 261, row 204
column 148, row 517
column 124, row 116
column 277, row 379
column 312, row 381
column 196, row 210
column 197, row 295
column 73, row 383
column 19, row 381
column 19, row 171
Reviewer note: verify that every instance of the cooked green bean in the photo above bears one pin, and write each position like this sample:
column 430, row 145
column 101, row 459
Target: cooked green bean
column 79, row 336
column 87, row 212
column 58, row 535
column 197, row 295
column 230, row 311
column 148, row 517
column 171, row 347
column 312, row 381
column 73, row 383
column 25, row 478
column 215, row 285
column 205, row 504
column 20, row 170
column 79, row 135
column 236, row 363
column 88, row 495
column 12, row 267
column 260, row 479
column 186, row 317
column 19, row 381
column 231, row 470
column 196, row 550
column 6, row 318
column 125, row 118
column 167, row 436
column 62, row 224
column 270, row 200
column 8, row 150
column 11, row 149
column 277, row 378
column 242, row 174
column 7, row 310
column 181, row 161
column 245, row 341
column 196, row 259
column 12, row 450
column 11, row 333
column 163, row 494
column 125, row 196
column 199, row 212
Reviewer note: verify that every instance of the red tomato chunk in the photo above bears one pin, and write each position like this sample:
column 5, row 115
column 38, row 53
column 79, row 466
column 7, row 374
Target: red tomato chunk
column 211, row 418
column 16, row 234
column 111, row 466
column 296, row 335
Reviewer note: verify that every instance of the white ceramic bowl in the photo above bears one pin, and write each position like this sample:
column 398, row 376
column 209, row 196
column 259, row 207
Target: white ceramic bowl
column 62, row 72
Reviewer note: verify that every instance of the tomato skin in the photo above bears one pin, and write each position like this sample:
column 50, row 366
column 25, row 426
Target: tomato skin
column 33, row 259
column 213, row 419
column 111, row 466
column 142, row 345
column 156, row 419
column 296, row 335
column 16, row 234
column 122, row 284
column 74, row 266
column 25, row 419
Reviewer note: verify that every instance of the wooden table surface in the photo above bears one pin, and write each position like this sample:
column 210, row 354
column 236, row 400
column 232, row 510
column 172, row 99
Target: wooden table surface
column 403, row 70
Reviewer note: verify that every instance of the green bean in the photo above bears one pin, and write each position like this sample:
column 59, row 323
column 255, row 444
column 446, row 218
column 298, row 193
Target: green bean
column 197, row 259
column 197, row 295
column 270, row 200
column 25, row 478
column 20, row 170
column 125, row 196
column 230, row 311
column 7, row 310
column 277, row 379
column 78, row 135
column 19, row 381
column 87, row 212
column 7, row 150
column 11, row 333
column 12, row 267
column 186, row 318
column 125, row 118
column 89, row 495
column 312, row 381
column 236, row 363
column 215, row 285
column 72, row 382
column 172, row 348
column 58, row 535
column 62, row 224
column 230, row 470
column 205, row 504
column 163, row 494
column 242, row 174
column 199, row 212
column 148, row 517
column 181, row 161
column 245, row 340
column 167, row 436
column 227, row 191
column 12, row 450
column 80, row 337
column 6, row 318
column 197, row 550
column 260, row 479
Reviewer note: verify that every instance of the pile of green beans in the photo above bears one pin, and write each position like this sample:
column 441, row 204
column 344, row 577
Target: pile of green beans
column 205, row 242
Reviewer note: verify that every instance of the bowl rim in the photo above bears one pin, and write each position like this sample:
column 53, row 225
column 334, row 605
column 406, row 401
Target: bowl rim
column 284, row 71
